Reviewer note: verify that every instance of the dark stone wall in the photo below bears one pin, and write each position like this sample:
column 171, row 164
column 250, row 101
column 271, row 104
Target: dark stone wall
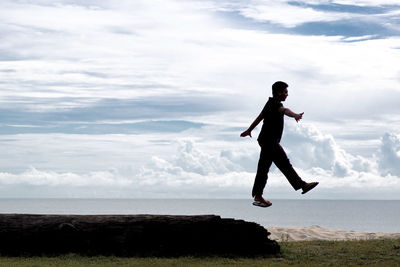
column 132, row 235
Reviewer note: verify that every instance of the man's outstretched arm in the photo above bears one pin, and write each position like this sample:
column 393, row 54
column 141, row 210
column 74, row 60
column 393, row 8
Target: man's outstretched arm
column 288, row 112
column 252, row 126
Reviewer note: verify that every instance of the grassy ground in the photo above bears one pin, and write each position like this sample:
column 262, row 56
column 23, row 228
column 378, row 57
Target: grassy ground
column 383, row 252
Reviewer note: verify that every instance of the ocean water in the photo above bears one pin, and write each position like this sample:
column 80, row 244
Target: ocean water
column 355, row 215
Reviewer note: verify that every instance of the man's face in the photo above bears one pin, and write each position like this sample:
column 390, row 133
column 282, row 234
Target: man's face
column 283, row 95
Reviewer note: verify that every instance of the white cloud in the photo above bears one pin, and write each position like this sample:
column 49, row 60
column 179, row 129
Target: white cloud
column 191, row 159
column 389, row 161
column 282, row 12
column 367, row 2
column 62, row 43
column 193, row 168
column 77, row 153
column 174, row 49
column 49, row 179
column 192, row 172
column 312, row 149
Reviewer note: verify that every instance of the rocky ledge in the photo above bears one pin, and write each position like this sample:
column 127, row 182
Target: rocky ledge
column 132, row 235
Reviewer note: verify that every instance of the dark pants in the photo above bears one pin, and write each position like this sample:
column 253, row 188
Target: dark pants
column 273, row 152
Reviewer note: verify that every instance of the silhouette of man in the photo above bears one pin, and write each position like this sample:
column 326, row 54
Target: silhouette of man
column 271, row 151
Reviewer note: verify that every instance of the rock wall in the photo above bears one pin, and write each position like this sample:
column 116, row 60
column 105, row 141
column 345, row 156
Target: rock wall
column 132, row 235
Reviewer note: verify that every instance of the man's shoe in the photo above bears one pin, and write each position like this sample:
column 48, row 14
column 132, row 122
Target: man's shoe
column 262, row 204
column 308, row 186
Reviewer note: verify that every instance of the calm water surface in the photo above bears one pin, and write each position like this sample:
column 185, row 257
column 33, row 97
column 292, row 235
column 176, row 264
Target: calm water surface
column 357, row 215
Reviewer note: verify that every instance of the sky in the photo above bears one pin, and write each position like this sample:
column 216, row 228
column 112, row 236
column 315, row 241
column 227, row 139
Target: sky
column 147, row 99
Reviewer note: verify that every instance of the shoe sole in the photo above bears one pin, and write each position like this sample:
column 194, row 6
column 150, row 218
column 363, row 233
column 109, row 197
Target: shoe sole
column 262, row 205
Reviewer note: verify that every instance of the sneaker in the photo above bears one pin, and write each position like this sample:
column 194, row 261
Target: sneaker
column 262, row 204
column 308, row 186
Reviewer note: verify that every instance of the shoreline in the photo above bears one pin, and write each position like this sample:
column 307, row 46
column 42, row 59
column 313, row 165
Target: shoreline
column 315, row 232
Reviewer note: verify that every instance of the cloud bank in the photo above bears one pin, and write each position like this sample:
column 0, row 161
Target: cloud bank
column 195, row 170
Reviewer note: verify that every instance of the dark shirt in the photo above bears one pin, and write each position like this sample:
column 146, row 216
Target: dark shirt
column 272, row 128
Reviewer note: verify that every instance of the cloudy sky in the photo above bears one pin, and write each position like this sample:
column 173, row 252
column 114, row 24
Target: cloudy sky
column 146, row 99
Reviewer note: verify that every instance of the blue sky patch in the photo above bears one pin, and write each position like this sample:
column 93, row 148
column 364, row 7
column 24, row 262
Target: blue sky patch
column 356, row 9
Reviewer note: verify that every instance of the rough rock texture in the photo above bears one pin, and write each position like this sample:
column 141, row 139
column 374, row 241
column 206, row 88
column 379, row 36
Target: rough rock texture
column 132, row 235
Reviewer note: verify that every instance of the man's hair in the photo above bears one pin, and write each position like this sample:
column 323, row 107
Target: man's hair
column 278, row 87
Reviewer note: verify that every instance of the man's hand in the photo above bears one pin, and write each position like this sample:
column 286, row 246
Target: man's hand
column 246, row 133
column 252, row 126
column 291, row 114
column 298, row 117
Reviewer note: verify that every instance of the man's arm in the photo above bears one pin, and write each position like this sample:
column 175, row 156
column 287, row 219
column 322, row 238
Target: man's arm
column 252, row 126
column 291, row 114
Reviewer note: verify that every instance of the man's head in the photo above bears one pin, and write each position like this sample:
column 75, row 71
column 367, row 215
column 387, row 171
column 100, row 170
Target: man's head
column 279, row 90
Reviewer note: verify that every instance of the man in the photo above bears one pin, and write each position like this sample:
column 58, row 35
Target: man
column 271, row 151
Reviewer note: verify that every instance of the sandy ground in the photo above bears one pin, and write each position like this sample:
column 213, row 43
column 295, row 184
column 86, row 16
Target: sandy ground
column 319, row 233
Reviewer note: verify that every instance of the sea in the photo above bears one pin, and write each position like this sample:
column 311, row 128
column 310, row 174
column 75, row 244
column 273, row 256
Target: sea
column 351, row 215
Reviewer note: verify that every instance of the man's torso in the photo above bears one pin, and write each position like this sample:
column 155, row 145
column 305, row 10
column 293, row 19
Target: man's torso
column 272, row 128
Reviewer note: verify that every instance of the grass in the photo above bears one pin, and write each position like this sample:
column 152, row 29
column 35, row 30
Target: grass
column 381, row 252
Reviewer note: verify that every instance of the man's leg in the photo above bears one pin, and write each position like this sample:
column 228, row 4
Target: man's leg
column 264, row 163
column 282, row 162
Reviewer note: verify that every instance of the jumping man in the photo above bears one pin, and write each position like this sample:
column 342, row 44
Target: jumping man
column 271, row 151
